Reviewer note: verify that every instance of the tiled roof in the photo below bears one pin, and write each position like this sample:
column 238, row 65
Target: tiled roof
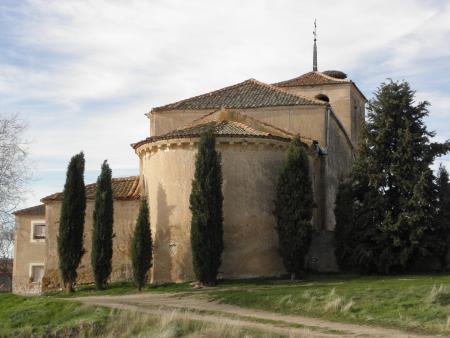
column 124, row 188
column 247, row 94
column 311, row 78
column 38, row 210
column 224, row 123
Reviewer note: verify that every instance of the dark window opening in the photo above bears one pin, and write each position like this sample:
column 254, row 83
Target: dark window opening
column 323, row 97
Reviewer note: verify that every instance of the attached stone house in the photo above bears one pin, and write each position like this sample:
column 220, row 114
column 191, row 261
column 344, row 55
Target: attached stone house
column 35, row 250
column 253, row 123
column 29, row 250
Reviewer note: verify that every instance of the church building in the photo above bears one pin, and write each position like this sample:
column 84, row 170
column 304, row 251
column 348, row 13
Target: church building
column 253, row 123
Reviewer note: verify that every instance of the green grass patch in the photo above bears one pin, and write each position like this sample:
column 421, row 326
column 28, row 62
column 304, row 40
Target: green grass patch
column 27, row 316
column 122, row 288
column 416, row 303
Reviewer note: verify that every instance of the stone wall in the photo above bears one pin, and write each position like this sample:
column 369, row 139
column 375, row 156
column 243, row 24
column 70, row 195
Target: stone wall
column 338, row 162
column 346, row 101
column 125, row 215
column 250, row 170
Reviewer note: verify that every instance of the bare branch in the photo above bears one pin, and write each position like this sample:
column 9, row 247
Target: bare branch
column 14, row 174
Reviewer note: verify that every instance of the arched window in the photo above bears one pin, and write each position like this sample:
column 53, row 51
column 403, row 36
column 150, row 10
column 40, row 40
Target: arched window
column 323, row 97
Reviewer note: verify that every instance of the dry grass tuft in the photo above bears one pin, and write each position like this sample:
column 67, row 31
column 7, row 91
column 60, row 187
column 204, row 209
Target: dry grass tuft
column 336, row 303
column 439, row 295
column 169, row 324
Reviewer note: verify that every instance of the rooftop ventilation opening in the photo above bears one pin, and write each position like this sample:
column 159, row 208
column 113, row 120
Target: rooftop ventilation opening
column 322, row 97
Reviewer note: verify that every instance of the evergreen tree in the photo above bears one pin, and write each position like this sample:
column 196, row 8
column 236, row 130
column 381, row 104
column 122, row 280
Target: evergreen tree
column 71, row 223
column 102, row 231
column 391, row 179
column 293, row 208
column 443, row 211
column 206, row 205
column 141, row 247
column 344, row 214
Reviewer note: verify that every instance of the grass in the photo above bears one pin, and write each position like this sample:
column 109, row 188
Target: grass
column 42, row 316
column 416, row 303
column 25, row 316
column 120, row 288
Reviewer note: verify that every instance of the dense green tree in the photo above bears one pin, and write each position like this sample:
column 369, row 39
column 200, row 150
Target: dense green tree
column 293, row 208
column 344, row 214
column 141, row 246
column 71, row 223
column 102, row 230
column 206, row 201
column 392, row 184
column 443, row 211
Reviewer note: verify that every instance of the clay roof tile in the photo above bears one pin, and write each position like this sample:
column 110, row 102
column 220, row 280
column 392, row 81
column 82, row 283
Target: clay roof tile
column 248, row 94
column 124, row 188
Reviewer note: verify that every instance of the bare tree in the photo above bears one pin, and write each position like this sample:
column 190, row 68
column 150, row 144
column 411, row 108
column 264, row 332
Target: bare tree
column 14, row 173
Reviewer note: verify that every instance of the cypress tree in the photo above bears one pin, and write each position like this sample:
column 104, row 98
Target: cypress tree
column 206, row 206
column 71, row 223
column 102, row 231
column 293, row 208
column 392, row 183
column 443, row 211
column 141, row 247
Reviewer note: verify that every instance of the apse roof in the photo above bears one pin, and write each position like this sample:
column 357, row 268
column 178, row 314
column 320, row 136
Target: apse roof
column 224, row 122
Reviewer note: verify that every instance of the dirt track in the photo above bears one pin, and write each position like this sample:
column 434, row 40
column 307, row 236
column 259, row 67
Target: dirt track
column 199, row 308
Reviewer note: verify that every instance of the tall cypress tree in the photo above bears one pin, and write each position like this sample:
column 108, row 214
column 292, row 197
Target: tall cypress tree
column 206, row 205
column 390, row 180
column 293, row 208
column 443, row 211
column 102, row 231
column 71, row 222
column 141, row 246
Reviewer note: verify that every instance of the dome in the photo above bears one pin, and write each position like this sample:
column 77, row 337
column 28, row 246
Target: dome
column 337, row 74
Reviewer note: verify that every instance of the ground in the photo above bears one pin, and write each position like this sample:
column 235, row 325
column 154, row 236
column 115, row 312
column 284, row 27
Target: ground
column 321, row 306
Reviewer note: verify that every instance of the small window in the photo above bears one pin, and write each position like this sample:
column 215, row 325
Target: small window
column 38, row 230
column 323, row 97
column 37, row 272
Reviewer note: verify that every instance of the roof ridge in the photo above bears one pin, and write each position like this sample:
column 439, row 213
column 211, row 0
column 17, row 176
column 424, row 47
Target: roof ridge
column 245, row 126
column 125, row 178
column 270, row 86
column 268, row 125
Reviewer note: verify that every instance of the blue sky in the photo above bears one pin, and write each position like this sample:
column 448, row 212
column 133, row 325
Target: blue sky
column 84, row 73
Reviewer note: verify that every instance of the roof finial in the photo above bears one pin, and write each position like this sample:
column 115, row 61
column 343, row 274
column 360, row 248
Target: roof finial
column 315, row 47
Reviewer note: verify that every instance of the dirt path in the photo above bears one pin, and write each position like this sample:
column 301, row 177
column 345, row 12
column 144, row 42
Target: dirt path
column 199, row 308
